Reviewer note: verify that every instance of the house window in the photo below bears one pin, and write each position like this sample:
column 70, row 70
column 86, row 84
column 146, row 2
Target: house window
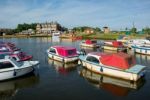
column 92, row 59
column 5, row 64
column 52, row 50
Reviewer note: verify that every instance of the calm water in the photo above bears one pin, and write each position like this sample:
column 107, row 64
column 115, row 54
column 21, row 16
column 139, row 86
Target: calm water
column 56, row 81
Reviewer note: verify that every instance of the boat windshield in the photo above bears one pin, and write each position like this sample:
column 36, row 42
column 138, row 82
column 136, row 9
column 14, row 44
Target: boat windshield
column 19, row 64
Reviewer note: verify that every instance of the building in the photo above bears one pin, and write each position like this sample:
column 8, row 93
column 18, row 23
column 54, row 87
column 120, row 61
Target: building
column 4, row 31
column 27, row 32
column 89, row 30
column 48, row 28
column 106, row 30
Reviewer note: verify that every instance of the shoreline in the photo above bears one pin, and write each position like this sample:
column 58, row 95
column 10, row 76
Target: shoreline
column 66, row 36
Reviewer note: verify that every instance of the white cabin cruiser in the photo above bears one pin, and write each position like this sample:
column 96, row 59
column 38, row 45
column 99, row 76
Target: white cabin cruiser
column 9, row 68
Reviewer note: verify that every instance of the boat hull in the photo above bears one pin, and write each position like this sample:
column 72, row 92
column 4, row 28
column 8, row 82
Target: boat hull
column 13, row 73
column 114, row 48
column 112, row 72
column 89, row 45
column 141, row 50
column 62, row 59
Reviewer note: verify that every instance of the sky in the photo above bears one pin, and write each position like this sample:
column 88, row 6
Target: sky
column 115, row 14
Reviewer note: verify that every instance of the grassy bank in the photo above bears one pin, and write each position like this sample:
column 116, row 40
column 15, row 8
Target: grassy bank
column 110, row 36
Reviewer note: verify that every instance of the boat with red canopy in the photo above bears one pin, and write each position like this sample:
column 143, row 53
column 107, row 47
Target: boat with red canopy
column 118, row 65
column 114, row 45
column 63, row 53
column 89, row 43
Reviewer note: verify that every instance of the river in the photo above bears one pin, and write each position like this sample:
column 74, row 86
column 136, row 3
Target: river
column 56, row 81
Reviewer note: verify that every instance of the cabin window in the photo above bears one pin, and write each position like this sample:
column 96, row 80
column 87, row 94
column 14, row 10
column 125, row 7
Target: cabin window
column 52, row 50
column 94, row 41
column 14, row 58
column 70, row 52
column 5, row 64
column 92, row 59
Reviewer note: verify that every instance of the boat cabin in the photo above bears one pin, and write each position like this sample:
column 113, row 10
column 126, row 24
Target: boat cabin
column 118, row 60
column 63, row 51
column 21, row 56
column 117, row 44
column 90, row 41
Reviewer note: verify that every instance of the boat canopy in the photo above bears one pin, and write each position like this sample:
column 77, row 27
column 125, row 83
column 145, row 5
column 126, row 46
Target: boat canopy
column 66, row 51
column 118, row 60
column 90, row 41
column 117, row 44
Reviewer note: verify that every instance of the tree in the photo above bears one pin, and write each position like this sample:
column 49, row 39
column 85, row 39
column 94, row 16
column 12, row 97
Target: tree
column 146, row 30
column 133, row 30
column 25, row 26
column 97, row 29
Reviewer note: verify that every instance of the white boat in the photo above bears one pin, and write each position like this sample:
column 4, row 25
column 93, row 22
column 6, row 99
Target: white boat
column 114, row 46
column 63, row 54
column 9, row 68
column 89, row 43
column 118, row 65
column 138, row 42
column 141, row 49
column 56, row 33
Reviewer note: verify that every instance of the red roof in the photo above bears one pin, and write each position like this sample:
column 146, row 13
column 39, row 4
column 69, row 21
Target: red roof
column 118, row 60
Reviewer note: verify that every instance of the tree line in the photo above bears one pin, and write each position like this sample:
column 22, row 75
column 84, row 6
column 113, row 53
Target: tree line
column 83, row 28
column 25, row 26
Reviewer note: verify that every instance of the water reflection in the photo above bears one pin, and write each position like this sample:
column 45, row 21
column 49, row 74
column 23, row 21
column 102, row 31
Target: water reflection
column 88, row 49
column 56, row 39
column 115, row 86
column 62, row 68
column 10, row 88
column 142, row 59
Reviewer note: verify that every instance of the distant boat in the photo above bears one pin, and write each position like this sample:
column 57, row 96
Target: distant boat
column 114, row 46
column 137, row 42
column 89, row 43
column 141, row 49
column 56, row 33
column 118, row 65
column 64, row 54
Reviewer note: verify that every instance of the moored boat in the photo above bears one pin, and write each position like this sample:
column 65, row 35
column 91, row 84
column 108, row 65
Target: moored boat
column 137, row 42
column 118, row 65
column 89, row 43
column 9, row 68
column 141, row 49
column 114, row 46
column 64, row 54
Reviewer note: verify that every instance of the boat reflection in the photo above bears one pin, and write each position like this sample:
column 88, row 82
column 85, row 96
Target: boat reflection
column 88, row 50
column 115, row 86
column 10, row 88
column 142, row 59
column 63, row 68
